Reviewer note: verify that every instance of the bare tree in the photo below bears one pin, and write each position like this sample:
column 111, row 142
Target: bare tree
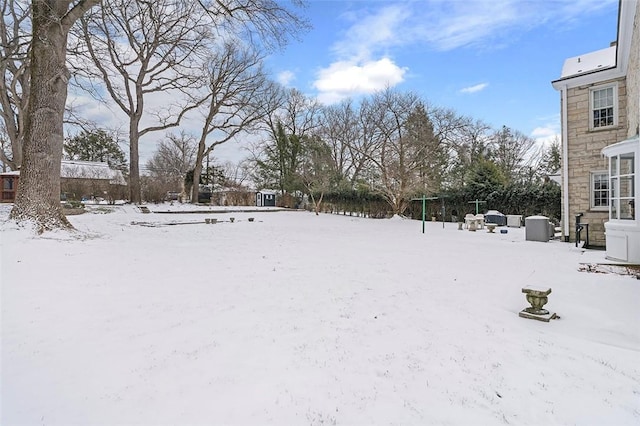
column 465, row 139
column 340, row 129
column 290, row 119
column 259, row 22
column 236, row 84
column 5, row 149
column 512, row 152
column 403, row 148
column 38, row 197
column 174, row 157
column 541, row 162
column 362, row 152
column 317, row 171
column 15, row 38
column 140, row 50
column 236, row 174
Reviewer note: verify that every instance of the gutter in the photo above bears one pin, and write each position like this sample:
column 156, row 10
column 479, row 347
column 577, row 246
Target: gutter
column 587, row 73
column 565, row 164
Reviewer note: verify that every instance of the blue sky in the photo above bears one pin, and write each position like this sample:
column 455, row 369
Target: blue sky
column 492, row 60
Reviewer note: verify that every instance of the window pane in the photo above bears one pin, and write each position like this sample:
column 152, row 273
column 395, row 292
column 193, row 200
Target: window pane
column 626, row 186
column 626, row 165
column 626, row 210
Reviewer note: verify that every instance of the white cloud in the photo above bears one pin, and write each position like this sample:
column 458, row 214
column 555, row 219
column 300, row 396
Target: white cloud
column 362, row 63
column 346, row 78
column 285, row 77
column 373, row 32
column 546, row 134
column 447, row 25
column 474, row 89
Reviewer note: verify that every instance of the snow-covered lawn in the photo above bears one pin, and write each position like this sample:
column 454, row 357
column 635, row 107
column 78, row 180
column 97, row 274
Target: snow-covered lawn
column 297, row 319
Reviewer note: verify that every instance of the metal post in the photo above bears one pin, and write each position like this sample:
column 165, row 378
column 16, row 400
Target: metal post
column 424, row 199
column 424, row 208
column 477, row 203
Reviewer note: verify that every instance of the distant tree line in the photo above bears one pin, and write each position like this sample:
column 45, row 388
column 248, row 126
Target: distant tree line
column 378, row 154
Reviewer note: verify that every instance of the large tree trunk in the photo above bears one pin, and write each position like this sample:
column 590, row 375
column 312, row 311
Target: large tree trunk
column 197, row 171
column 135, row 192
column 38, row 198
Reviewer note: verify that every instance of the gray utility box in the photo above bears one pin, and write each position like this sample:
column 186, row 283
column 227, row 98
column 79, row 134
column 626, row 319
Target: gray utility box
column 536, row 228
column 514, row 220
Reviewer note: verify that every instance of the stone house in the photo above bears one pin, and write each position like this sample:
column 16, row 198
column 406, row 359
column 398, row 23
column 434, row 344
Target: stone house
column 600, row 98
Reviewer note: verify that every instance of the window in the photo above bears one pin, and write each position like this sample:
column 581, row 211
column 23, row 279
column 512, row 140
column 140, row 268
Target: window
column 623, row 171
column 599, row 191
column 603, row 102
column 7, row 184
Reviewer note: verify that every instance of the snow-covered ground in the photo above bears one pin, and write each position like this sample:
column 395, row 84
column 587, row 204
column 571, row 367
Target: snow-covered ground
column 297, row 319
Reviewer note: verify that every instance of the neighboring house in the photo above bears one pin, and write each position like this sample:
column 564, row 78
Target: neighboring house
column 9, row 185
column 600, row 97
column 78, row 179
column 232, row 197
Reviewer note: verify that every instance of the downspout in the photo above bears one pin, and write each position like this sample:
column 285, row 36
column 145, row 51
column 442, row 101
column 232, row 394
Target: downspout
column 565, row 164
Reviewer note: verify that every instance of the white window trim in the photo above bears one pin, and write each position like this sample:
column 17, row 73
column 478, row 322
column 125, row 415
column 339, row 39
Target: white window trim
column 615, row 106
column 592, row 205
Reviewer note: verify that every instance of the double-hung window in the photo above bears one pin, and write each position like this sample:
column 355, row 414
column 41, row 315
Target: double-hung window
column 599, row 191
column 603, row 102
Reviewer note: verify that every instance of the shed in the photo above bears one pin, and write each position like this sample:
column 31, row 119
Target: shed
column 266, row 198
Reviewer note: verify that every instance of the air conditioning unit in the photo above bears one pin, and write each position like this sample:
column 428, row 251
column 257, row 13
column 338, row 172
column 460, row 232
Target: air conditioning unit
column 537, row 228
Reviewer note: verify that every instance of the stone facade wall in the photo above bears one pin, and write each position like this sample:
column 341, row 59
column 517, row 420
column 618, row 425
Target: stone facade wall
column 584, row 156
column 633, row 78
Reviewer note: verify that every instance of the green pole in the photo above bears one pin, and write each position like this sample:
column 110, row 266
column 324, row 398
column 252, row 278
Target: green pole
column 424, row 207
column 477, row 203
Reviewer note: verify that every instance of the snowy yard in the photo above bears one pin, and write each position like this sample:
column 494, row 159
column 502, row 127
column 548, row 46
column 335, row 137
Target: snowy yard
column 297, row 319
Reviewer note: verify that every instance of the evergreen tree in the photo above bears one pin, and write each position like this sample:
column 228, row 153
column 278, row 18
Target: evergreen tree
column 280, row 162
column 427, row 151
column 484, row 178
column 95, row 146
column 551, row 160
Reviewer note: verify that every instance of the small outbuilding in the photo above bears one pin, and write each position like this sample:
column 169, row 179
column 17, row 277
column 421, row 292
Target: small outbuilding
column 266, row 198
